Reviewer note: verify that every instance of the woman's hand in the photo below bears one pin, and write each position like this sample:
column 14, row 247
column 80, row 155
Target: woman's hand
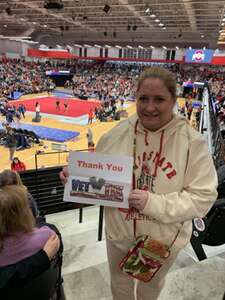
column 51, row 247
column 64, row 174
column 138, row 199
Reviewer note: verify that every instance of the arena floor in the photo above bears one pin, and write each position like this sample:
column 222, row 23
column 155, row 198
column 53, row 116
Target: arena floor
column 54, row 121
column 28, row 155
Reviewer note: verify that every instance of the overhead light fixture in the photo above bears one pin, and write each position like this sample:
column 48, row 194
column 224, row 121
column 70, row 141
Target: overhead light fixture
column 147, row 10
column 45, row 25
column 161, row 24
column 204, row 48
column 8, row 11
column 117, row 46
column 190, row 48
column 223, row 19
column 77, row 45
column 5, row 25
column 87, row 45
column 34, row 23
column 164, row 47
column 140, row 47
column 177, row 48
column 157, row 20
column 220, row 31
column 152, row 47
column 222, row 24
column 152, row 16
column 164, row 27
column 53, row 4
column 202, row 36
column 22, row 19
column 130, row 47
column 106, row 8
column 107, row 46
column 97, row 46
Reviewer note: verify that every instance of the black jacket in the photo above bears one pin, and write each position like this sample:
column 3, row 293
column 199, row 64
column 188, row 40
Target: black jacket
column 23, row 271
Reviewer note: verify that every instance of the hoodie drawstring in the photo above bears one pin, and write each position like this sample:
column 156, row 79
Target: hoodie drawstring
column 159, row 154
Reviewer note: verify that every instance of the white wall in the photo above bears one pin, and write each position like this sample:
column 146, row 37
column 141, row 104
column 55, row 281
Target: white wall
column 92, row 51
column 158, row 53
column 113, row 52
column 179, row 54
column 10, row 47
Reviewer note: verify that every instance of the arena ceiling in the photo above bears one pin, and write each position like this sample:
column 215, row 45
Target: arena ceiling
column 173, row 23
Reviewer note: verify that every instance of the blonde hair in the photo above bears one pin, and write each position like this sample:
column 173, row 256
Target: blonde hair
column 9, row 177
column 15, row 213
column 166, row 76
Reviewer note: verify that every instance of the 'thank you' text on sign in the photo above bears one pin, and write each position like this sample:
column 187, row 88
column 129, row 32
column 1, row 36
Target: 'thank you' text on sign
column 99, row 179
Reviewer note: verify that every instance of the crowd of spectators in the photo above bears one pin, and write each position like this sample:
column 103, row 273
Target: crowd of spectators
column 17, row 75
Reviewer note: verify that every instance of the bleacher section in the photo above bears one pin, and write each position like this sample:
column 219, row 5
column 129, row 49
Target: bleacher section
column 47, row 189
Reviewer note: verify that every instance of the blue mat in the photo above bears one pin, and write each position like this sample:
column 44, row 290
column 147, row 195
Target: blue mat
column 47, row 133
column 64, row 94
column 15, row 95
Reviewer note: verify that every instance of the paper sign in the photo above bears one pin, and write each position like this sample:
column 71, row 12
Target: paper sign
column 99, row 179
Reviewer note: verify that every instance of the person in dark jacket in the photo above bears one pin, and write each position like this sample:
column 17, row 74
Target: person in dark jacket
column 11, row 142
column 18, row 274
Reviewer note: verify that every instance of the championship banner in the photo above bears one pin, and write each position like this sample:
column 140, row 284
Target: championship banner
column 99, row 179
column 199, row 56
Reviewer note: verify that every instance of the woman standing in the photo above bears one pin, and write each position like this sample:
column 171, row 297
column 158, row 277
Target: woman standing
column 174, row 181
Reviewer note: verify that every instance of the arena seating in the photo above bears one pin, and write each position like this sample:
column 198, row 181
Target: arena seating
column 209, row 230
column 47, row 189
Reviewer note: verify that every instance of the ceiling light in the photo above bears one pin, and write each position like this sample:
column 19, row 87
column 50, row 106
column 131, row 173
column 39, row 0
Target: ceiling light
column 45, row 25
column 202, row 36
column 152, row 16
column 177, row 48
column 5, row 25
column 223, row 19
column 117, row 46
column 87, row 45
column 157, row 20
column 147, row 10
column 130, row 47
column 222, row 24
column 77, row 45
column 34, row 23
column 220, row 31
column 161, row 24
column 164, row 27
column 106, row 8
column 164, row 47
column 190, row 48
column 204, row 48
column 107, row 46
column 97, row 46
column 140, row 47
column 152, row 47
column 22, row 19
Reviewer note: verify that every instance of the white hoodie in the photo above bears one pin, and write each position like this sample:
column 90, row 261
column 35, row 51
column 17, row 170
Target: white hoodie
column 184, row 186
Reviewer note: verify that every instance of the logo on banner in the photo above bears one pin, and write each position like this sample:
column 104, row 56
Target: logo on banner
column 198, row 55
